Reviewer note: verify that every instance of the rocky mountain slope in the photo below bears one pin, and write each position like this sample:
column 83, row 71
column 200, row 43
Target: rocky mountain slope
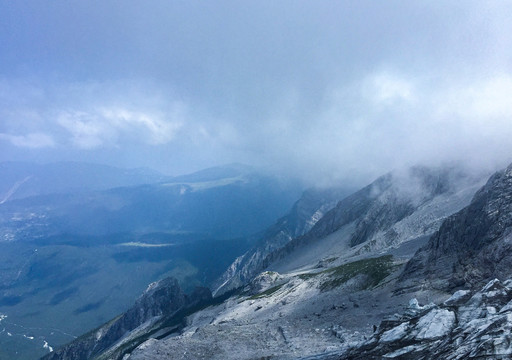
column 333, row 285
column 394, row 214
column 399, row 207
column 160, row 303
column 471, row 246
column 305, row 213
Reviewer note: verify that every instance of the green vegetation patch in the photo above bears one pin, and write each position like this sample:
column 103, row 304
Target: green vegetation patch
column 307, row 276
column 375, row 270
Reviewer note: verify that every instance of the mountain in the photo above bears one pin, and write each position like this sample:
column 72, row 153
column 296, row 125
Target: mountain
column 323, row 293
column 215, row 173
column 472, row 245
column 21, row 180
column 396, row 214
column 163, row 302
column 398, row 210
column 71, row 261
column 310, row 208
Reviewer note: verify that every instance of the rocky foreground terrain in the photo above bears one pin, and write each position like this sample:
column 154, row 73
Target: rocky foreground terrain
column 340, row 292
column 468, row 325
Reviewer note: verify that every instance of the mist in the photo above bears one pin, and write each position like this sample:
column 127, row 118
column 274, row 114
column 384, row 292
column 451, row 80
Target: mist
column 324, row 91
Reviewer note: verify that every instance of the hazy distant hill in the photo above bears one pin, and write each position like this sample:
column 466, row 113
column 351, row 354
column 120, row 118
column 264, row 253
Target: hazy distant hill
column 22, row 179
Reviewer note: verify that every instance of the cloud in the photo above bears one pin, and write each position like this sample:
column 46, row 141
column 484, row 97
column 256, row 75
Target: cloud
column 485, row 100
column 87, row 130
column 111, row 126
column 386, row 88
column 384, row 120
column 156, row 129
column 328, row 91
column 31, row 141
column 90, row 115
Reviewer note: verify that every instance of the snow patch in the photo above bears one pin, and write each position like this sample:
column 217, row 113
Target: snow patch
column 46, row 346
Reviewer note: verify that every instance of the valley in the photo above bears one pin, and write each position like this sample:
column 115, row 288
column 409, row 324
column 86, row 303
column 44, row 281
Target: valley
column 72, row 261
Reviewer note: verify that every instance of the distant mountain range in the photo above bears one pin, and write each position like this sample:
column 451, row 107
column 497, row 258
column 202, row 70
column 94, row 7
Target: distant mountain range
column 22, row 179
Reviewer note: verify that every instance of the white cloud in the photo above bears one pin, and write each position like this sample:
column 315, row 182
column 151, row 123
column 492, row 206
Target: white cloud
column 398, row 120
column 156, row 130
column 482, row 101
column 32, row 140
column 109, row 126
column 87, row 130
column 386, row 88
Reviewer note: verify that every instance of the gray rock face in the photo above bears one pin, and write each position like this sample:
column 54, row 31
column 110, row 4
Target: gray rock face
column 397, row 207
column 161, row 299
column 386, row 201
column 478, row 327
column 472, row 245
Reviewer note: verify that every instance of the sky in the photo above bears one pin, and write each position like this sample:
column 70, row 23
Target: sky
column 329, row 91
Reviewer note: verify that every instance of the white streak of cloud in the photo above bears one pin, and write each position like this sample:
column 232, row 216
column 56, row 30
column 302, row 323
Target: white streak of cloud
column 87, row 131
column 157, row 130
column 110, row 125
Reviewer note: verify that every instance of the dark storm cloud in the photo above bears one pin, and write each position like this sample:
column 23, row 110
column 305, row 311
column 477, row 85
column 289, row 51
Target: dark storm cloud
column 323, row 89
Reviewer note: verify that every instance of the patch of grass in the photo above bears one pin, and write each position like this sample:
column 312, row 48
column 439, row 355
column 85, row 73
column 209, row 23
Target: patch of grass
column 308, row 276
column 375, row 270
column 266, row 293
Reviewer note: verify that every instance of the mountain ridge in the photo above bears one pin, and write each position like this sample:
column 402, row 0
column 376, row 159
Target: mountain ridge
column 294, row 309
